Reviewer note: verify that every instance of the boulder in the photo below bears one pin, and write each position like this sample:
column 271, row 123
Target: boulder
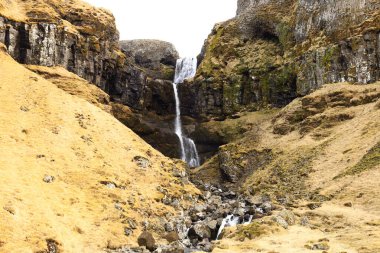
column 199, row 231
column 146, row 239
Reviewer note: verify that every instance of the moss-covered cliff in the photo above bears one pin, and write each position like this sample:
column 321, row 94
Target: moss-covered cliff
column 274, row 51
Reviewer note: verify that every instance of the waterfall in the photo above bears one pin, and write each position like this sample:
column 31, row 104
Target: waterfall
column 185, row 69
column 229, row 221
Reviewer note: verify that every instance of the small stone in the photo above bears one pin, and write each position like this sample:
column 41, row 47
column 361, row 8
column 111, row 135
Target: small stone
column 128, row 232
column 212, row 224
column 266, row 207
column 313, row 206
column 142, row 162
column 280, row 221
column 348, row 204
column 321, row 246
column 132, row 224
column 10, row 210
column 24, row 108
column 172, row 236
column 288, row 216
column 169, row 227
column 48, row 179
column 200, row 208
column 304, row 221
column 119, row 207
column 146, row 239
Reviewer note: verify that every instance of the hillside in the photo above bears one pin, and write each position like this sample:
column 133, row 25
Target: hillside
column 72, row 177
column 284, row 110
column 318, row 158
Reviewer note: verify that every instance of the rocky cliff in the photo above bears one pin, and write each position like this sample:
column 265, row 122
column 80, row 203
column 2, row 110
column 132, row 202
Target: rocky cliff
column 275, row 51
column 85, row 41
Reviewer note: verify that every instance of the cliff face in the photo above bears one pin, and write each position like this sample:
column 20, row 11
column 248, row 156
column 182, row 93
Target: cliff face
column 274, row 51
column 84, row 40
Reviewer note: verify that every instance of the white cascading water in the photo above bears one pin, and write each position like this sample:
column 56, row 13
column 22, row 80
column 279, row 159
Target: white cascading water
column 229, row 221
column 186, row 68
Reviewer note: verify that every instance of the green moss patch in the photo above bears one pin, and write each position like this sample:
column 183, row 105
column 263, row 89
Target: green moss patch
column 369, row 161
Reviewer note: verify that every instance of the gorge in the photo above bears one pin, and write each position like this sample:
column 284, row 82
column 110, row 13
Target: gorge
column 267, row 141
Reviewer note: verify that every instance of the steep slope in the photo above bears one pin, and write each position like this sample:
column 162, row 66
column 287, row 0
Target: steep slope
column 318, row 158
column 72, row 178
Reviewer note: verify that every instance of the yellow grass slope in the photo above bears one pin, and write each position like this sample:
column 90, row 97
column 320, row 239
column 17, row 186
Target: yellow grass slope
column 47, row 133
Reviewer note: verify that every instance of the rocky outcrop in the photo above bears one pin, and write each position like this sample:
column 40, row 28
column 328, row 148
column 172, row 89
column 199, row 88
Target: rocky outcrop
column 85, row 41
column 157, row 57
column 275, row 51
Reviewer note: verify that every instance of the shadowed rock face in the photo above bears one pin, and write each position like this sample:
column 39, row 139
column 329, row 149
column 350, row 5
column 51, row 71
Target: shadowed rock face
column 275, row 51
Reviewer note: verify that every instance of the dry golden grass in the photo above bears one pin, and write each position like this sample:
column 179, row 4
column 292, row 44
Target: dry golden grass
column 46, row 131
column 74, row 85
column 75, row 15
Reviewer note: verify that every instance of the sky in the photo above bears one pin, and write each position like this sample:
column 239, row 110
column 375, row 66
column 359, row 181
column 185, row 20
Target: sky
column 185, row 23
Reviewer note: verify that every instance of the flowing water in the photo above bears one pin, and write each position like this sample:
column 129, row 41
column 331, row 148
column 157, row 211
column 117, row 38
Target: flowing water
column 185, row 69
column 229, row 221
